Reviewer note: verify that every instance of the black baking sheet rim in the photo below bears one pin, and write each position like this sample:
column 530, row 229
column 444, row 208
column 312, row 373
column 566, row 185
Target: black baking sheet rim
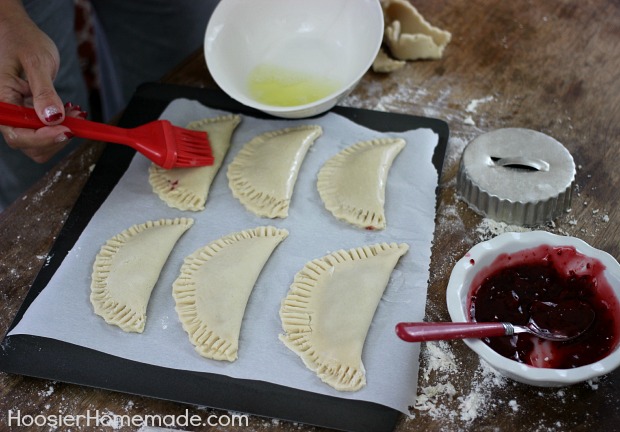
column 60, row 361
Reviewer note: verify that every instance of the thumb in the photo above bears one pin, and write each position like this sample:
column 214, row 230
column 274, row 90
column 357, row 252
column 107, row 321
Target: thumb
column 47, row 103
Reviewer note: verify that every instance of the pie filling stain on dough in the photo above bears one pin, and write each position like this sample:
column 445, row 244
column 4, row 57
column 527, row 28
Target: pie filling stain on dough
column 213, row 288
column 352, row 183
column 188, row 188
column 330, row 305
column 127, row 268
column 263, row 174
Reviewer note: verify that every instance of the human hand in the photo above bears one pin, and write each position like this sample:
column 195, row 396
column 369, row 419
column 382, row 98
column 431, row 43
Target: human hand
column 29, row 62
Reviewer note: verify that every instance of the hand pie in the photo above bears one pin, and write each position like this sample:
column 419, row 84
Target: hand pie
column 330, row 305
column 262, row 176
column 352, row 183
column 408, row 35
column 127, row 268
column 188, row 188
column 214, row 286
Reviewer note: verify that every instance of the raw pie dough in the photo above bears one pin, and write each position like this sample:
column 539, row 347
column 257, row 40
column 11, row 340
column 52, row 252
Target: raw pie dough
column 352, row 183
column 188, row 188
column 214, row 286
column 328, row 310
column 263, row 174
column 127, row 268
column 383, row 63
column 408, row 35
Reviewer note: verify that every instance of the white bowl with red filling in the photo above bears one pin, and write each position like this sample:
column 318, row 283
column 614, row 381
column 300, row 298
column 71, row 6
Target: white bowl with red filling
column 502, row 278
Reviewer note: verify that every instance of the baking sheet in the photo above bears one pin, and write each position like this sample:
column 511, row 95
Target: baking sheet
column 391, row 378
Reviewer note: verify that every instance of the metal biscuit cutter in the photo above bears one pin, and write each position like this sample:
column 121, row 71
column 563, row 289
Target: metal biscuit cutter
column 518, row 176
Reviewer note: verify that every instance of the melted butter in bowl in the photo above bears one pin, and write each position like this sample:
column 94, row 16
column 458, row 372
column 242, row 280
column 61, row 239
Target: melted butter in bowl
column 278, row 86
column 292, row 59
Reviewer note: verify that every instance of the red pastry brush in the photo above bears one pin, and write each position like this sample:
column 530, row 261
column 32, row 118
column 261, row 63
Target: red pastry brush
column 166, row 145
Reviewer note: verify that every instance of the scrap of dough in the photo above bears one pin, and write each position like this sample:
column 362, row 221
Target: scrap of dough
column 188, row 188
column 328, row 310
column 263, row 174
column 214, row 286
column 127, row 268
column 408, row 35
column 385, row 64
column 352, row 183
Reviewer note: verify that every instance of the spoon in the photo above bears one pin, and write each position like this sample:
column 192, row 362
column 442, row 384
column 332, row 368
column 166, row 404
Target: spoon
column 558, row 322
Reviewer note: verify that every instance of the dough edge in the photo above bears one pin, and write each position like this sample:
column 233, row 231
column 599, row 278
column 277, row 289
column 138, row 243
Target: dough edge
column 428, row 43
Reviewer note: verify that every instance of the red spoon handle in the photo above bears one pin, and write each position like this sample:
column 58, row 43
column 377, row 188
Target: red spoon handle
column 422, row 332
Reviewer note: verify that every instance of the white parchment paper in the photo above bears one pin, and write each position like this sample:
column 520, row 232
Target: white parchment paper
column 63, row 311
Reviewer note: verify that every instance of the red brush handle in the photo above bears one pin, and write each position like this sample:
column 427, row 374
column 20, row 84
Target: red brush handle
column 18, row 116
column 22, row 117
column 422, row 332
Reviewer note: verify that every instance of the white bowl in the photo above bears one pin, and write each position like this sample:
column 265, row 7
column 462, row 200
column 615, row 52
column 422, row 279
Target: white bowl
column 481, row 256
column 328, row 41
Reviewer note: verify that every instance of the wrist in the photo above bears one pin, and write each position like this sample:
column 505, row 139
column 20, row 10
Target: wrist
column 12, row 11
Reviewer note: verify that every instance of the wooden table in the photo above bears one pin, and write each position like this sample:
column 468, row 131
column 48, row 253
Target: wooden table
column 551, row 66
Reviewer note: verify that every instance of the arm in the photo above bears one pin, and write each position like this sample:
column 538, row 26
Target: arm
column 29, row 62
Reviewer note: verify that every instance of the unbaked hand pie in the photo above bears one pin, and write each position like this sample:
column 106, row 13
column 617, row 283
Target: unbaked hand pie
column 188, row 188
column 127, row 268
column 214, row 286
column 330, row 305
column 352, row 183
column 263, row 174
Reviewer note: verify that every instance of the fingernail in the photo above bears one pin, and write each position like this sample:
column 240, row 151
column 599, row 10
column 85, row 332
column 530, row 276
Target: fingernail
column 11, row 135
column 70, row 107
column 63, row 137
column 52, row 114
column 83, row 114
